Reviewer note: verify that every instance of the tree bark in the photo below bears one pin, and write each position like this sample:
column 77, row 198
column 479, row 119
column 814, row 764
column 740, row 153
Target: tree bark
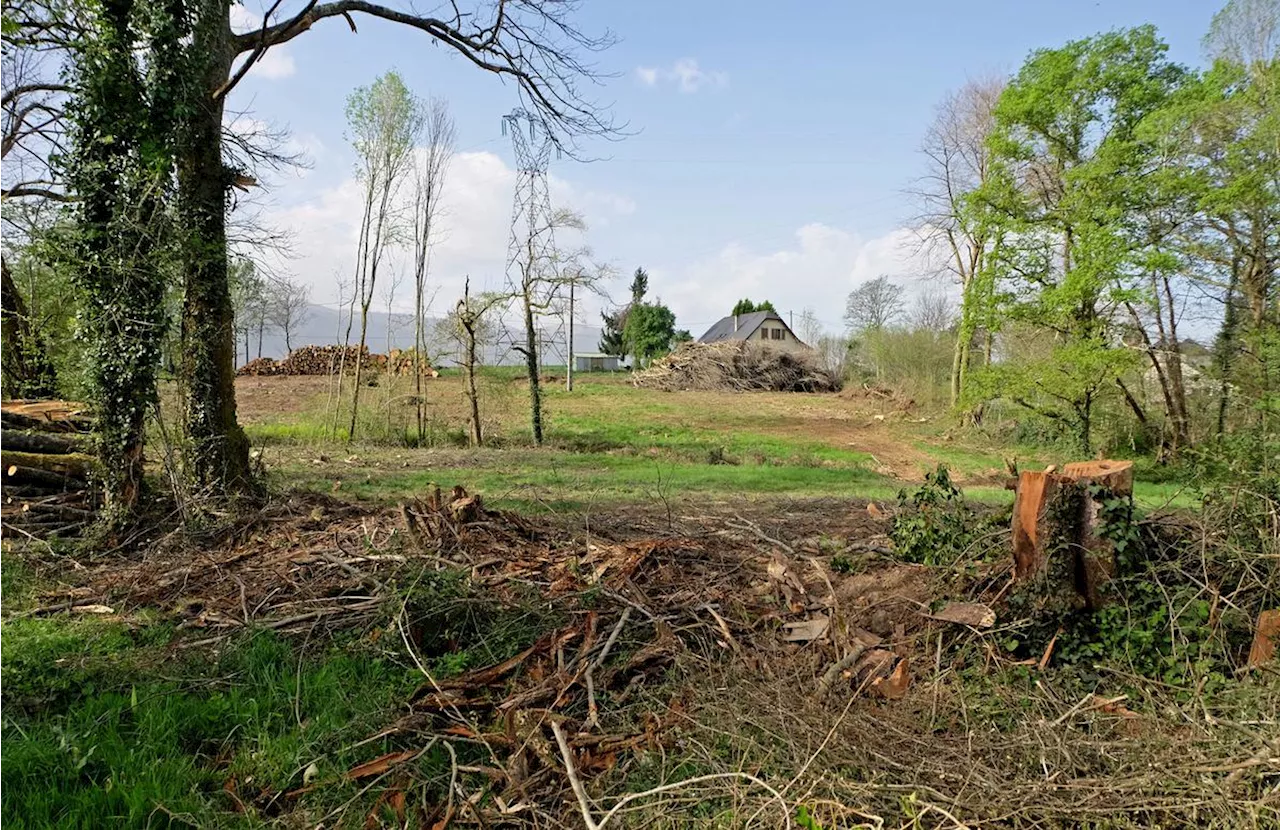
column 219, row 449
column 1226, row 345
column 531, row 365
column 44, row 442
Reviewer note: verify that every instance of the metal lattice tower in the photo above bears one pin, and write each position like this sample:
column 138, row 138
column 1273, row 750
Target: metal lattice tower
column 531, row 241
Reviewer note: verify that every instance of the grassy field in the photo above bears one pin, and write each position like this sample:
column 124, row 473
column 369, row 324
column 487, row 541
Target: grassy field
column 608, row 441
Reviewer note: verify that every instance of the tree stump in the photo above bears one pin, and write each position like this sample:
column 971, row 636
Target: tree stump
column 1059, row 530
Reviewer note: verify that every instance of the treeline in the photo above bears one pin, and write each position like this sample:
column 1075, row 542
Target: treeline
column 1099, row 211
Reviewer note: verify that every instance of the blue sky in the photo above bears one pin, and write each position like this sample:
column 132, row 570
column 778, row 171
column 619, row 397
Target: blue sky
column 772, row 141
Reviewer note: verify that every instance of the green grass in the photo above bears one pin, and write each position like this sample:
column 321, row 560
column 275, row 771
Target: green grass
column 110, row 725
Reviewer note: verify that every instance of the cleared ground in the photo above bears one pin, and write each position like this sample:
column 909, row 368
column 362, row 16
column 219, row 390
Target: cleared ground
column 686, row 610
column 610, row 441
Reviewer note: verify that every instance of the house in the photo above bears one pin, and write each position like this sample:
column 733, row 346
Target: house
column 763, row 327
column 594, row 362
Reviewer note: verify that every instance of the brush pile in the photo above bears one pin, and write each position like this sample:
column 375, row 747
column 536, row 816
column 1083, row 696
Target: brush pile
column 47, row 464
column 735, row 366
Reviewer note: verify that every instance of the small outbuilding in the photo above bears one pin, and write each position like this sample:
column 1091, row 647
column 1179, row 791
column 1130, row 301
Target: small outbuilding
column 594, row 362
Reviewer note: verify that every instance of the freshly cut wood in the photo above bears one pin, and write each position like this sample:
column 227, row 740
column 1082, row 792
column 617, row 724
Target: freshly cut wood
column 1264, row 638
column 43, row 442
column 42, row 478
column 1055, row 514
column 48, row 416
column 1097, row 553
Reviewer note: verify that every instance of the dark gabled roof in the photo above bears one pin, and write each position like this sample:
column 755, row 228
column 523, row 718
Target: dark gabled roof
column 746, row 326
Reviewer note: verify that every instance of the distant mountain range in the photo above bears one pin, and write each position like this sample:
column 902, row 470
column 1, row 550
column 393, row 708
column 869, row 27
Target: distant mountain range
column 326, row 326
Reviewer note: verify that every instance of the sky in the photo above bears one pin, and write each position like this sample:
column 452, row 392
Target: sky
column 767, row 152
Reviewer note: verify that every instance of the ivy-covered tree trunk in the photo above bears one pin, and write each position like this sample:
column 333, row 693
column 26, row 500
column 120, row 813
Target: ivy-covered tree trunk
column 119, row 166
column 218, row 449
column 531, row 366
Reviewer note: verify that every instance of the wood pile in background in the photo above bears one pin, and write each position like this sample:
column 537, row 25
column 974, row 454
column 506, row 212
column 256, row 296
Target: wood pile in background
column 325, row 360
column 735, row 366
column 48, row 466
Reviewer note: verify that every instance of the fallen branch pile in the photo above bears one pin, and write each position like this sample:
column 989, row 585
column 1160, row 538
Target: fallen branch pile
column 47, row 468
column 735, row 366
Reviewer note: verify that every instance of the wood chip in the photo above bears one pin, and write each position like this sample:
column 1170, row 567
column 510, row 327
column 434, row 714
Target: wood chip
column 965, row 613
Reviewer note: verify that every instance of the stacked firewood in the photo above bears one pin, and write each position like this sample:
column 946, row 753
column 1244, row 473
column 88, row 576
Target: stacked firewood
column 401, row 362
column 47, row 468
column 327, row 360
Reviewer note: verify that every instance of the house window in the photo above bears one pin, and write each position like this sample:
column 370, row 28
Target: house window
column 776, row 334
column 764, row 334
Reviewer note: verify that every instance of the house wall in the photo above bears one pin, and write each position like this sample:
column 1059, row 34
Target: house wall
column 776, row 336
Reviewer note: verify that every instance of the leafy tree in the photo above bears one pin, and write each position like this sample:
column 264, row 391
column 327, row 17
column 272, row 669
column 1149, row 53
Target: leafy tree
column 651, row 328
column 681, row 336
column 639, row 285
column 745, row 306
column 1066, row 165
column 613, row 339
column 385, row 120
column 873, row 305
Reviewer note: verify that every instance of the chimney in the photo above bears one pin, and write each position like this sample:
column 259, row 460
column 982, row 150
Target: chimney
column 735, row 324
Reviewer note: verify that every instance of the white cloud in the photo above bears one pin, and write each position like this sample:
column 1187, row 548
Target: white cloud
column 816, row 271
column 685, row 74
column 474, row 228
column 275, row 63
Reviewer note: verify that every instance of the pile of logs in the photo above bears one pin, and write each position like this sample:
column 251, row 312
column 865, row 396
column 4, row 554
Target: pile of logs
column 326, row 360
column 48, row 468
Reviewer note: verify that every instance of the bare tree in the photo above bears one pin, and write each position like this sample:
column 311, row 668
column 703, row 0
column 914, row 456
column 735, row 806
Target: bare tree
column 385, row 120
column 1245, row 32
column 932, row 311
column 950, row 229
column 873, row 305
column 467, row 328
column 432, row 165
column 833, row 354
column 290, row 307
column 538, row 276
column 32, row 98
column 809, row 327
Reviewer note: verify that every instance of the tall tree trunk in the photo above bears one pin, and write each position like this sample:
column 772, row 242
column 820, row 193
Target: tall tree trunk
column 473, row 397
column 1226, row 345
column 219, row 449
column 1177, row 386
column 531, row 365
column 360, row 361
